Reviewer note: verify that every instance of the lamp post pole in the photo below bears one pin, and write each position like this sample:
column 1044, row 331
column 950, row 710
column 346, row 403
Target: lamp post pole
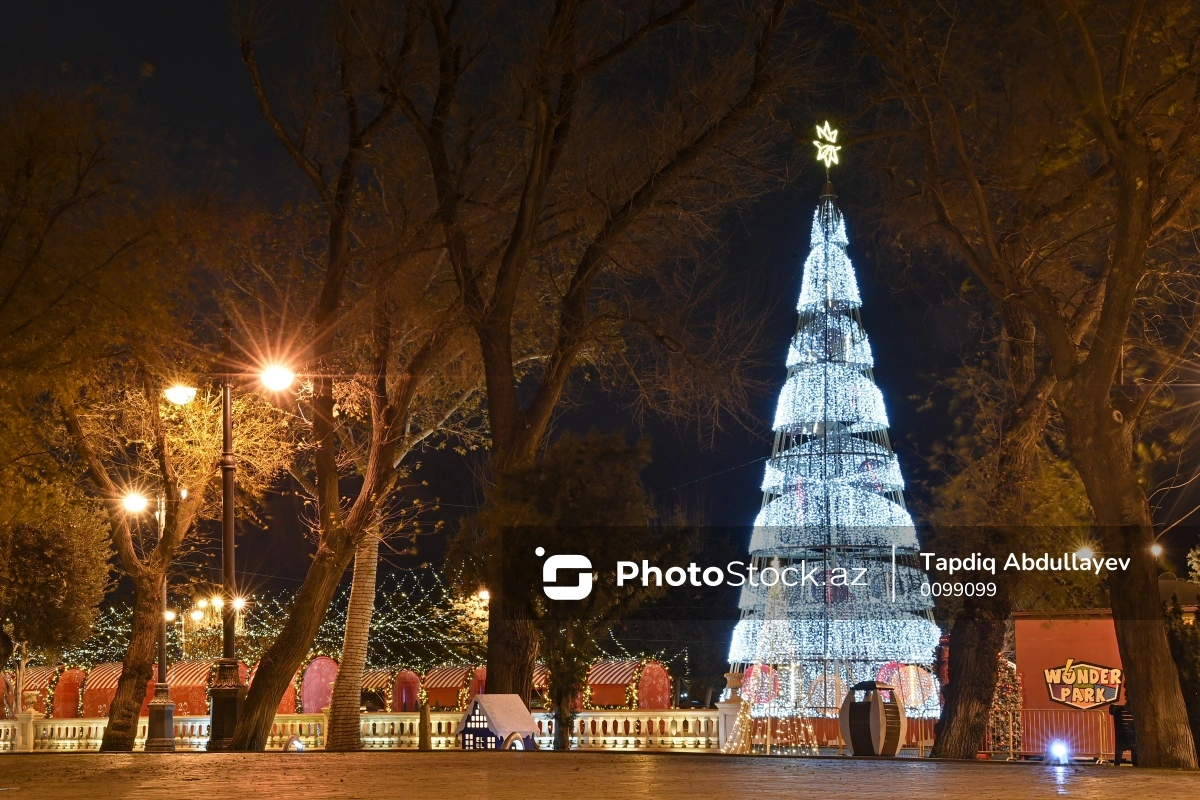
column 227, row 693
column 160, row 732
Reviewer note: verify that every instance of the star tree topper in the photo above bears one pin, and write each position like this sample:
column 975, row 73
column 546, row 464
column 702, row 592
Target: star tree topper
column 827, row 150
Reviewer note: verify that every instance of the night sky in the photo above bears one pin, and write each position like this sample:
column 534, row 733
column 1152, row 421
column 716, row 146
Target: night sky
column 180, row 62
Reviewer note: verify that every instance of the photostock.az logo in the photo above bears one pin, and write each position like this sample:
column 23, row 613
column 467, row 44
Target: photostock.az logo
column 566, row 563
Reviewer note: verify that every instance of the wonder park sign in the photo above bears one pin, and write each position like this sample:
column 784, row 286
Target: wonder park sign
column 1082, row 685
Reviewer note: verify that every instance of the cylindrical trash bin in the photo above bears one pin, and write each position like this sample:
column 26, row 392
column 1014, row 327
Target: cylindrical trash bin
column 872, row 719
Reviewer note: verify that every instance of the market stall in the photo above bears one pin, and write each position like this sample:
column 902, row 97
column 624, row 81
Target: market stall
column 452, row 687
column 316, row 684
column 189, row 682
column 628, row 683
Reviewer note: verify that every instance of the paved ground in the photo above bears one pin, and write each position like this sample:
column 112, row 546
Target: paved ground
column 577, row 776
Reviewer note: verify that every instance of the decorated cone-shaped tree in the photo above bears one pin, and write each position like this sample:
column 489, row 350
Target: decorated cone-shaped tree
column 833, row 512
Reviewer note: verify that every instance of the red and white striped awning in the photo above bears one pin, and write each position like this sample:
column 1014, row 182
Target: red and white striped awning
column 190, row 673
column 447, row 677
column 377, row 679
column 541, row 676
column 618, row 673
column 103, row 676
column 37, row 678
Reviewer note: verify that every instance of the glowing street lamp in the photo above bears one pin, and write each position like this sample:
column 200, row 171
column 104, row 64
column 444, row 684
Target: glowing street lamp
column 1156, row 549
column 134, row 503
column 277, row 378
column 180, row 394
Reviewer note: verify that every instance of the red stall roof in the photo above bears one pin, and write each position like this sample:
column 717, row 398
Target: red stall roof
column 103, row 676
column 190, row 673
column 37, row 678
column 541, row 676
column 377, row 679
column 619, row 673
column 447, row 677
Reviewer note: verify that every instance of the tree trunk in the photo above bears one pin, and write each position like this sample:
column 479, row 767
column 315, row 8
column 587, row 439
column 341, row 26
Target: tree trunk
column 424, row 729
column 344, row 722
column 137, row 667
column 1101, row 443
column 19, row 675
column 8, row 699
column 562, row 720
column 6, row 647
column 977, row 635
column 281, row 660
column 512, row 651
column 976, row 639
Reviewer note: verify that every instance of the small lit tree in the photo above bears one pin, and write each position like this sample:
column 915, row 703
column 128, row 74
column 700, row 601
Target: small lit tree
column 53, row 574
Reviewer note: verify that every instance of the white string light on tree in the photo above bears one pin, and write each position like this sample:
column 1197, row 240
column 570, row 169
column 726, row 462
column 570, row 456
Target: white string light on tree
column 832, row 501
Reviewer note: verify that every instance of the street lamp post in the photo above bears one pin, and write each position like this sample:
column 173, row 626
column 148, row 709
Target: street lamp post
column 160, row 731
column 228, row 693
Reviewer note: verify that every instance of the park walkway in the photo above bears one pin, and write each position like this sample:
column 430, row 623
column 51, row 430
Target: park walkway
column 578, row 776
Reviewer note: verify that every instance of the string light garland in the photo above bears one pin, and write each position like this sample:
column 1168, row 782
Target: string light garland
column 418, row 623
column 833, row 510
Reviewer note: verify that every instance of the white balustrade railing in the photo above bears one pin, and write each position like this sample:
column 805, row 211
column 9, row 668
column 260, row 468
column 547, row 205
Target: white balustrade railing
column 402, row 730
column 688, row 729
column 669, row 729
column 308, row 728
column 1088, row 734
column 74, row 734
column 8, row 735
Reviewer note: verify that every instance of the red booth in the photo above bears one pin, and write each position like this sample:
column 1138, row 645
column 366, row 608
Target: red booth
column 629, row 683
column 391, row 690
column 377, row 690
column 57, row 690
column 316, row 684
column 68, row 691
column 453, row 687
column 99, row 688
column 188, row 682
column 406, row 691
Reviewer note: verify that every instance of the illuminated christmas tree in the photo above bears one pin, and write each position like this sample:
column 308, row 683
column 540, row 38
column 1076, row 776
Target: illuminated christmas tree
column 833, row 511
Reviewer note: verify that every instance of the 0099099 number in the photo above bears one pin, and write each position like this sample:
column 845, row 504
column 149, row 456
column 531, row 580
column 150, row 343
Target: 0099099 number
column 958, row 589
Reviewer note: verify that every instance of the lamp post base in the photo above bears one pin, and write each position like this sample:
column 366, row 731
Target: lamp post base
column 225, row 699
column 160, row 731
